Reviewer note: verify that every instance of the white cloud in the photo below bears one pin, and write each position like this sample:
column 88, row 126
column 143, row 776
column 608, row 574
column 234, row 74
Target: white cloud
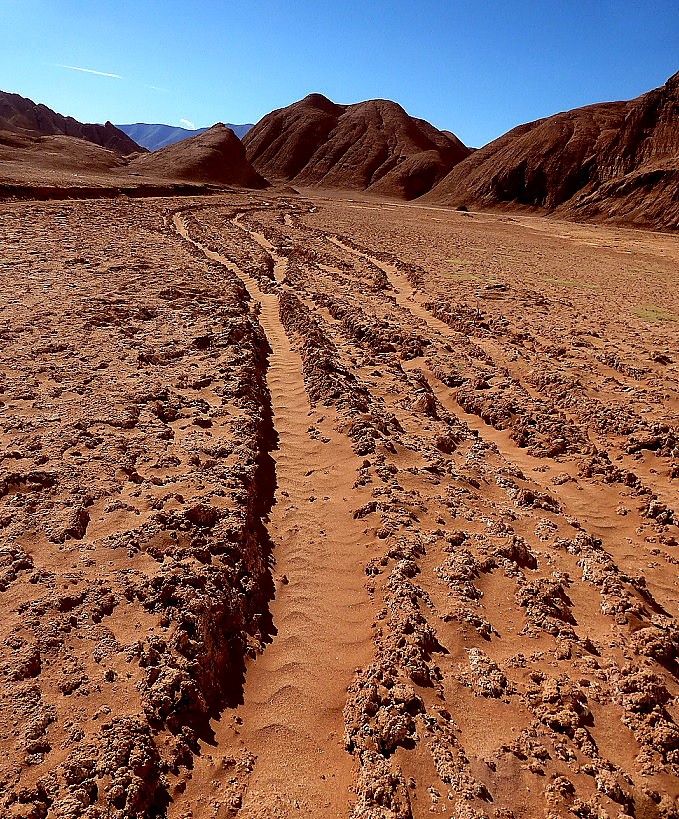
column 187, row 123
column 89, row 71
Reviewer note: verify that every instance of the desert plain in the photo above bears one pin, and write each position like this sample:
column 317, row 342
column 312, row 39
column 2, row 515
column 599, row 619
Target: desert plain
column 322, row 505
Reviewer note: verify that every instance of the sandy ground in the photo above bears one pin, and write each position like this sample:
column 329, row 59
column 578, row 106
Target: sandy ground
column 326, row 507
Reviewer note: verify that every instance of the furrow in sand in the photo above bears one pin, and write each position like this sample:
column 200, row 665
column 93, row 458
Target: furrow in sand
column 291, row 718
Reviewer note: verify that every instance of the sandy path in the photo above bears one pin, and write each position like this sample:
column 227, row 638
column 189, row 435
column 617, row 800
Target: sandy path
column 291, row 717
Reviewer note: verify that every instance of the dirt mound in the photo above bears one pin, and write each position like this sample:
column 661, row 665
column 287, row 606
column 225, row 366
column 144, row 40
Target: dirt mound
column 374, row 146
column 615, row 159
column 21, row 115
column 215, row 157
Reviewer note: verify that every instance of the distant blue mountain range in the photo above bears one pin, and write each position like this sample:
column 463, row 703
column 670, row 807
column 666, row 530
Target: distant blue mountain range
column 154, row 137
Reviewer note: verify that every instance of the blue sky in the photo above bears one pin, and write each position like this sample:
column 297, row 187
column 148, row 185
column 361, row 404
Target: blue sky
column 476, row 68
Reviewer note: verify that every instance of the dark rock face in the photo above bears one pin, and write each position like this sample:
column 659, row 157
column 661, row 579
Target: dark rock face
column 373, row 146
column 215, row 157
column 22, row 116
column 615, row 159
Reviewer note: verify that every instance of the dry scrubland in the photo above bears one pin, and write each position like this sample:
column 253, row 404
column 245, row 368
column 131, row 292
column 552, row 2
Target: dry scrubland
column 325, row 508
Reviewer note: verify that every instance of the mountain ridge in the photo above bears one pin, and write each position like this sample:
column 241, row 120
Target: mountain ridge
column 20, row 115
column 155, row 136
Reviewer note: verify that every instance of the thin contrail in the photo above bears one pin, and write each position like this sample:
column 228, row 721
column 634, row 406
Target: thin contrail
column 89, row 71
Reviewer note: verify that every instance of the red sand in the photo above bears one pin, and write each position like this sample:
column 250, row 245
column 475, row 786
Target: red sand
column 321, row 507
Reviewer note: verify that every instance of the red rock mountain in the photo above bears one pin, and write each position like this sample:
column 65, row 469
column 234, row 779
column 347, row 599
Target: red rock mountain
column 20, row 115
column 611, row 160
column 214, row 157
column 373, row 146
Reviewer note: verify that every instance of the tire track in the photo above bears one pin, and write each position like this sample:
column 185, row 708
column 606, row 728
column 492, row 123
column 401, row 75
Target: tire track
column 291, row 718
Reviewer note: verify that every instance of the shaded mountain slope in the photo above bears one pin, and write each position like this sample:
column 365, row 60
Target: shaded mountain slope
column 373, row 146
column 609, row 160
column 21, row 115
column 157, row 136
column 214, row 157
